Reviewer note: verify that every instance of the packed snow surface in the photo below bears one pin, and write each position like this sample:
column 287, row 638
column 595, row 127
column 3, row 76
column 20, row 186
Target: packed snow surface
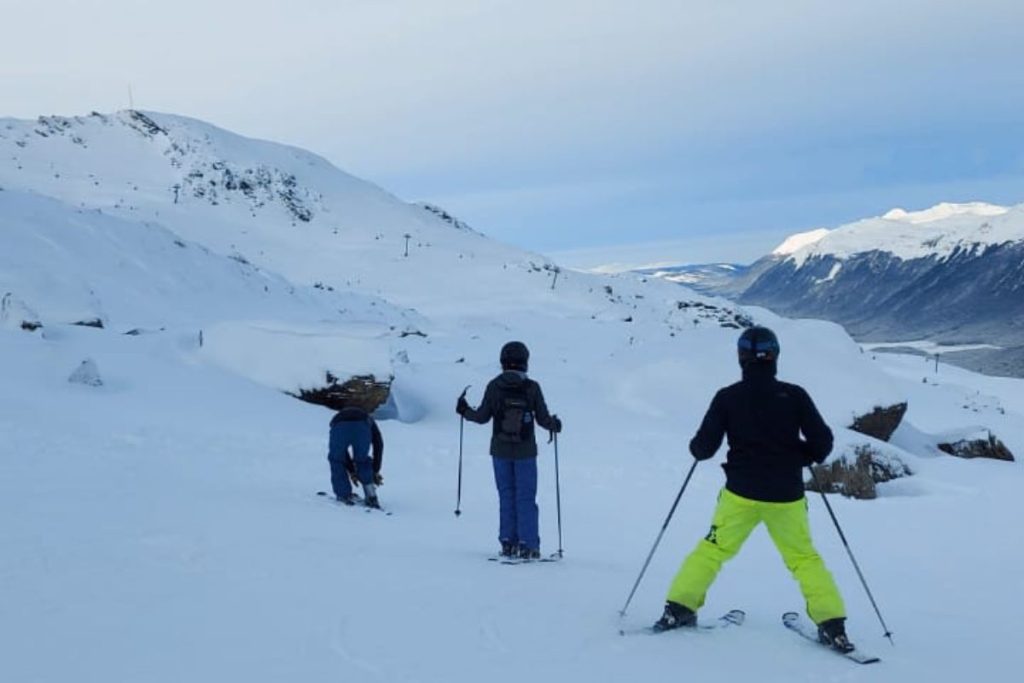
column 163, row 526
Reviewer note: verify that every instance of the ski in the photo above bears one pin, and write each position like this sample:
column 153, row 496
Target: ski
column 794, row 622
column 515, row 560
column 360, row 503
column 734, row 617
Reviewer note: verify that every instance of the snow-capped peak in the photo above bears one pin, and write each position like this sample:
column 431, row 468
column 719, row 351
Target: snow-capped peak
column 944, row 210
column 938, row 232
column 799, row 241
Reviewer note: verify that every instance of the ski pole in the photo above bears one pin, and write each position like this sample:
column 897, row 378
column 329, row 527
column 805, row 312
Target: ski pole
column 558, row 495
column 842, row 537
column 661, row 533
column 462, row 423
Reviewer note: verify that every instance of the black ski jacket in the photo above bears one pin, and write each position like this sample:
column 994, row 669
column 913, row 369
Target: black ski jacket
column 491, row 405
column 764, row 420
column 353, row 414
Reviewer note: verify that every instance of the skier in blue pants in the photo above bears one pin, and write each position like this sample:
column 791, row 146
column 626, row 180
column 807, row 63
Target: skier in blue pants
column 516, row 480
column 514, row 402
column 353, row 432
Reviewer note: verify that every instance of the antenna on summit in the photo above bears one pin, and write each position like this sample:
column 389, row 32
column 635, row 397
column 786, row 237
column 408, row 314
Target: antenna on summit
column 131, row 100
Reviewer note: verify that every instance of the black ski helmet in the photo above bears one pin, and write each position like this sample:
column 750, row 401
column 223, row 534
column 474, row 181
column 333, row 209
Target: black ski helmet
column 757, row 344
column 514, row 356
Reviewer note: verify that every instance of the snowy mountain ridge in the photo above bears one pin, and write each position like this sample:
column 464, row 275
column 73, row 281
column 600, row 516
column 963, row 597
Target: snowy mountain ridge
column 800, row 240
column 949, row 274
column 219, row 233
column 231, row 194
column 939, row 231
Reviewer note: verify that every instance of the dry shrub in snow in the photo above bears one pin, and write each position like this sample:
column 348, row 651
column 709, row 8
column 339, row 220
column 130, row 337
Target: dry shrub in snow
column 362, row 391
column 855, row 475
column 987, row 446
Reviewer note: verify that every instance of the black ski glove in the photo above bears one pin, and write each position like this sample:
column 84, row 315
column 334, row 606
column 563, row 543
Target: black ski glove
column 698, row 454
column 461, row 406
column 556, row 424
column 807, row 455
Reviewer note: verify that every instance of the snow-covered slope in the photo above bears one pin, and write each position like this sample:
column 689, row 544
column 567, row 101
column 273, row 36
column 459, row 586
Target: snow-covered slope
column 282, row 208
column 163, row 527
column 68, row 265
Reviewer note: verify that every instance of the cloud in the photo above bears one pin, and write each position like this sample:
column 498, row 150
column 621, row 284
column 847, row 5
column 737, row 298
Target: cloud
column 591, row 118
column 406, row 84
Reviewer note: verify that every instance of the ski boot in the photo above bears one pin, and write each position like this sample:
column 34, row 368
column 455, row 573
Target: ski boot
column 508, row 549
column 350, row 499
column 370, row 490
column 529, row 553
column 675, row 616
column 832, row 632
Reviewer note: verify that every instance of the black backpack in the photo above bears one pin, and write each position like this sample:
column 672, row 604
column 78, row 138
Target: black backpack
column 513, row 417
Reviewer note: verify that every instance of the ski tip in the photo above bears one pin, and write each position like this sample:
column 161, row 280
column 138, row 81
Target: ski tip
column 321, row 493
column 790, row 617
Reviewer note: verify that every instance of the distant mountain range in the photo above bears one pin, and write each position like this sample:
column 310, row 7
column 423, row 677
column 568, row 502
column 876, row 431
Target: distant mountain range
column 952, row 274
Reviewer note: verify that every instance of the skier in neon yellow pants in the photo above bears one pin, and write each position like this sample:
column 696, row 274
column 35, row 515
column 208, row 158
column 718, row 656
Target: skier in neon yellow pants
column 735, row 517
column 774, row 431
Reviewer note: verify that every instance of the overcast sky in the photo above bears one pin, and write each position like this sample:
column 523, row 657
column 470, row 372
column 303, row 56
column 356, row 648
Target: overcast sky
column 714, row 125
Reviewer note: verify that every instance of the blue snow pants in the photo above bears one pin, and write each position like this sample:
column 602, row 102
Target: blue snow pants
column 516, row 479
column 346, row 435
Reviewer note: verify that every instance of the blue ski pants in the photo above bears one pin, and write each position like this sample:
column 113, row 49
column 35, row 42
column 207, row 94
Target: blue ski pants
column 516, row 479
column 345, row 436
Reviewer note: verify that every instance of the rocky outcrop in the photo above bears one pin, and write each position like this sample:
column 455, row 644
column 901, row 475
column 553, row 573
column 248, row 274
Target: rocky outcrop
column 86, row 373
column 984, row 447
column 446, row 217
column 881, row 422
column 16, row 313
column 857, row 473
column 724, row 317
column 363, row 391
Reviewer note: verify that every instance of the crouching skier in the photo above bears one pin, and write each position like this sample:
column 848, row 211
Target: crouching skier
column 352, row 433
column 763, row 419
column 514, row 402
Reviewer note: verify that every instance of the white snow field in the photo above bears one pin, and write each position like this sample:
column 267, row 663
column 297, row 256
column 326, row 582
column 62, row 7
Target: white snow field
column 163, row 526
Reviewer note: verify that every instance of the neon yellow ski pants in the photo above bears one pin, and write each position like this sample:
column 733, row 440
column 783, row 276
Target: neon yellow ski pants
column 735, row 517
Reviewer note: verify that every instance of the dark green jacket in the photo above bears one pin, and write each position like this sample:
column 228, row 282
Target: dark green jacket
column 512, row 381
